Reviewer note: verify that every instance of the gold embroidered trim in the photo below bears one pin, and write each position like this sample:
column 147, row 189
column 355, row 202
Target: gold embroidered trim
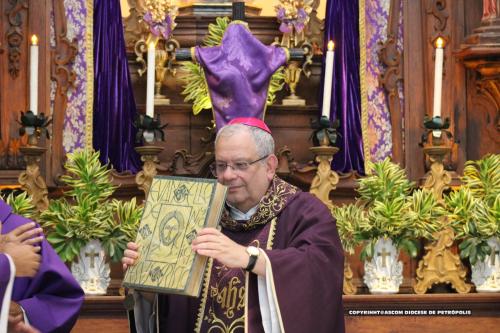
column 240, row 22
column 287, row 52
column 247, row 283
column 362, row 83
column 203, row 302
column 272, row 233
column 89, row 59
column 193, row 55
column 277, row 197
column 218, row 325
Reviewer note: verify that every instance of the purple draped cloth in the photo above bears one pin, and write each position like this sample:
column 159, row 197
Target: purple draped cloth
column 114, row 104
column 52, row 298
column 342, row 26
column 238, row 73
column 307, row 272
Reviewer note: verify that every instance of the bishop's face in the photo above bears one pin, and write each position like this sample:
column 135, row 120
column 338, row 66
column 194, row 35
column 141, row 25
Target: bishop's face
column 245, row 187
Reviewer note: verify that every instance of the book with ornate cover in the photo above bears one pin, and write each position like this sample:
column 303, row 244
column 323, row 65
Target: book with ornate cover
column 176, row 208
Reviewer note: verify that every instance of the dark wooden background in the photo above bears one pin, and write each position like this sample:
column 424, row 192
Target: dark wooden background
column 474, row 115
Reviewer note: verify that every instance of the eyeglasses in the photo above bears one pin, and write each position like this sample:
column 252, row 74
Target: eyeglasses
column 218, row 168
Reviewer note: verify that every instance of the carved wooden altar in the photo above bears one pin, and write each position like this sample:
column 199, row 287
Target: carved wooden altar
column 470, row 97
column 465, row 96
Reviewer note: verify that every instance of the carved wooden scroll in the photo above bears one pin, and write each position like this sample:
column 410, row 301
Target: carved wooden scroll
column 15, row 34
column 390, row 78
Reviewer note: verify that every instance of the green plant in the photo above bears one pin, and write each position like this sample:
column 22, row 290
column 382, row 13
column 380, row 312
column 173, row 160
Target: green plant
column 351, row 221
column 216, row 31
column 127, row 217
column 386, row 208
column 385, row 182
column 87, row 212
column 383, row 193
column 196, row 89
column 474, row 209
column 425, row 214
column 21, row 204
column 482, row 178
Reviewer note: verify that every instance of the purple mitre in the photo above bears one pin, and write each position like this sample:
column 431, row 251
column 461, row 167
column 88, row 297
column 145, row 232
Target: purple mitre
column 238, row 73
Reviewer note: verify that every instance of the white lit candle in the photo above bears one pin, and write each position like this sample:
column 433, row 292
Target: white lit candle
column 327, row 91
column 34, row 74
column 438, row 77
column 150, row 80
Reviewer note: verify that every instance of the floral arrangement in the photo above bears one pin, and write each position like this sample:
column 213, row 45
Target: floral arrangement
column 160, row 17
column 293, row 14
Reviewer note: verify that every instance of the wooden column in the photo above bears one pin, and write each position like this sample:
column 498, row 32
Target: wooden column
column 480, row 53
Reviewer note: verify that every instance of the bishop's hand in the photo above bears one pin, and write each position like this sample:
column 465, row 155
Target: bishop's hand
column 212, row 243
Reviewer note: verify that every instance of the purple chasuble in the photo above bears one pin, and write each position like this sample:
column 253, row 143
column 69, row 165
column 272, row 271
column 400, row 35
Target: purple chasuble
column 307, row 272
column 238, row 73
column 52, row 298
column 5, row 272
column 4, row 276
column 224, row 308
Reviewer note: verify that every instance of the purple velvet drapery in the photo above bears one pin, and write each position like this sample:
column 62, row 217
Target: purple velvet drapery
column 114, row 104
column 342, row 26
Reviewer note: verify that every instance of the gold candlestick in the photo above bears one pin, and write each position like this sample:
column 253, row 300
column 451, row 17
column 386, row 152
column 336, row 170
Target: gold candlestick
column 31, row 181
column 349, row 288
column 325, row 179
column 437, row 179
column 149, row 155
column 440, row 265
column 160, row 72
column 292, row 78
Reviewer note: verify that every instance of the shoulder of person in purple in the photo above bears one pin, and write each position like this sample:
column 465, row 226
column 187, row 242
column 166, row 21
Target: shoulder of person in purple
column 10, row 220
column 51, row 299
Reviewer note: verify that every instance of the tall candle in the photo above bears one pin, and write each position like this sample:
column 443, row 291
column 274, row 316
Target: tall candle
column 34, row 74
column 438, row 77
column 150, row 80
column 327, row 91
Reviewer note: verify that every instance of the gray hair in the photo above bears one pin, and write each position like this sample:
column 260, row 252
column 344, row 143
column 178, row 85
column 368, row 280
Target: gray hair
column 264, row 141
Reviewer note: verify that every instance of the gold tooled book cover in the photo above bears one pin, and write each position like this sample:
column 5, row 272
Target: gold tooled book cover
column 176, row 208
